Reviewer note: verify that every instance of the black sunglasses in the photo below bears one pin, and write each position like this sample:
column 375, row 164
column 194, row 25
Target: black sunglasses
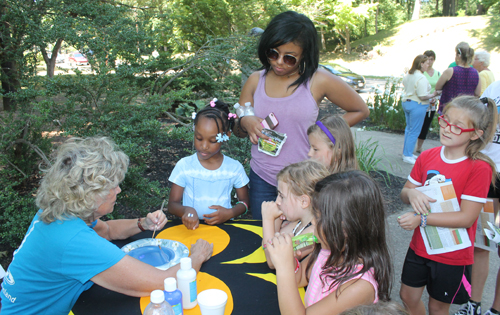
column 289, row 60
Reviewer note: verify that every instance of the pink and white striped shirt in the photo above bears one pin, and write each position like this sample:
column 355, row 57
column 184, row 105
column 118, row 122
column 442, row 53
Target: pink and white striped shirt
column 316, row 291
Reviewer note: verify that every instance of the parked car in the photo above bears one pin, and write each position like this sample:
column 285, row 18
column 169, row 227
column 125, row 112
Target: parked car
column 77, row 59
column 356, row 81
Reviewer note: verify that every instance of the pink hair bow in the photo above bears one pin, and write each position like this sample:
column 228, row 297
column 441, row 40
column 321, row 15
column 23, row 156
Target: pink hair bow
column 212, row 102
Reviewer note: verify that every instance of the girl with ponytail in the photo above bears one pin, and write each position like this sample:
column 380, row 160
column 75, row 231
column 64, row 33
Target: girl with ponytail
column 467, row 125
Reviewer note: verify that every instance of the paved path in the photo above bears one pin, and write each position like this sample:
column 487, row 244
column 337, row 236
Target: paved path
column 390, row 149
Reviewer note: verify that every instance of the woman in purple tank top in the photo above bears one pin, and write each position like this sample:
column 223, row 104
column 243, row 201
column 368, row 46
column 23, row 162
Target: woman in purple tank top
column 461, row 79
column 291, row 86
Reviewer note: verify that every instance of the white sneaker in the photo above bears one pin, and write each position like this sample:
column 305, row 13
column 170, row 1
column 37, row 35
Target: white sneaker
column 415, row 156
column 469, row 309
column 409, row 159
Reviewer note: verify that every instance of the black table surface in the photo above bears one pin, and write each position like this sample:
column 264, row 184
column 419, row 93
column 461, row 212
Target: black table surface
column 250, row 282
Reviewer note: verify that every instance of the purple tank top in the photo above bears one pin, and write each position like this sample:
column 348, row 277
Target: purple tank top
column 295, row 113
column 463, row 82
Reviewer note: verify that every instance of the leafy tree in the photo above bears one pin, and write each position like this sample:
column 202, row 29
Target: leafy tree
column 318, row 12
column 195, row 21
column 348, row 18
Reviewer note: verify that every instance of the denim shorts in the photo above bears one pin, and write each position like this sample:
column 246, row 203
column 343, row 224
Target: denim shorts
column 259, row 191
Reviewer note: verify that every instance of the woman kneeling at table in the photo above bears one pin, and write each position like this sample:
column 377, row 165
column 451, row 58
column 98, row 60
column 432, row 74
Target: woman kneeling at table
column 66, row 247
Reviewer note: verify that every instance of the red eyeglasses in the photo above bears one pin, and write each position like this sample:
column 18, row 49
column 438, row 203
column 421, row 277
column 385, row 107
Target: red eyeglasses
column 454, row 129
column 289, row 60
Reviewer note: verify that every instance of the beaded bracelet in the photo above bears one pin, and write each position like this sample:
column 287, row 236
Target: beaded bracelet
column 246, row 207
column 298, row 265
column 423, row 221
column 140, row 225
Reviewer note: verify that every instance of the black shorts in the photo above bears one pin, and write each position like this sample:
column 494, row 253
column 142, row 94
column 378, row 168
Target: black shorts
column 494, row 192
column 445, row 283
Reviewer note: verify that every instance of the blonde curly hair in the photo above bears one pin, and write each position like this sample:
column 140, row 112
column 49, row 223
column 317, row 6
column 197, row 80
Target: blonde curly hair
column 83, row 173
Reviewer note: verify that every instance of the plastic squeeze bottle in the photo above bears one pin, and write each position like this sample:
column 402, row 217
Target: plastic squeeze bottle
column 158, row 305
column 240, row 111
column 186, row 278
column 173, row 296
column 249, row 109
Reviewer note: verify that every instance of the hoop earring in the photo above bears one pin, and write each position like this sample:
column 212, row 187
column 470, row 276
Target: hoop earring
column 301, row 72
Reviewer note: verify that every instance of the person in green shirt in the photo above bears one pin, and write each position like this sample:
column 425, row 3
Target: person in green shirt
column 432, row 76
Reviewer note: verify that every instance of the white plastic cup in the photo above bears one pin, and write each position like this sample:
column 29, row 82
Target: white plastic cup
column 212, row 302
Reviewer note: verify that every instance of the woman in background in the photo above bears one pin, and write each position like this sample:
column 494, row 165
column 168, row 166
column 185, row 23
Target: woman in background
column 432, row 76
column 459, row 80
column 481, row 64
column 418, row 94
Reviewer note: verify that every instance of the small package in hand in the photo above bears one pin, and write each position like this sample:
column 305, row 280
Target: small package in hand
column 273, row 145
column 303, row 240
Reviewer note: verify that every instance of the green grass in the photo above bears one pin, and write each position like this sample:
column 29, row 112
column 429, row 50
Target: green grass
column 490, row 35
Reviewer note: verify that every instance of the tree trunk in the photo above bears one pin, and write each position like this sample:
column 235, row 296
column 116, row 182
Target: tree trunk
column 446, row 7
column 348, row 40
column 323, row 41
column 452, row 8
column 8, row 66
column 437, row 6
column 479, row 9
column 416, row 11
column 376, row 20
column 51, row 62
column 10, row 84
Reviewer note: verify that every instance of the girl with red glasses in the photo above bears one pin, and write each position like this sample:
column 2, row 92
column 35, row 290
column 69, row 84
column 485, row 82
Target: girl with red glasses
column 466, row 126
column 291, row 86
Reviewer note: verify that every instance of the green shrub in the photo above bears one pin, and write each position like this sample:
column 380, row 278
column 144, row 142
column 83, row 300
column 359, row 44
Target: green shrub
column 386, row 108
column 129, row 105
column 18, row 209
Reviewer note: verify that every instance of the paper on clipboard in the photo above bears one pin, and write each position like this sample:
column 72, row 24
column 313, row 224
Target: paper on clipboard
column 487, row 214
column 440, row 240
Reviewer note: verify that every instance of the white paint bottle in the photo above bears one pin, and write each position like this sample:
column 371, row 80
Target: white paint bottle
column 186, row 282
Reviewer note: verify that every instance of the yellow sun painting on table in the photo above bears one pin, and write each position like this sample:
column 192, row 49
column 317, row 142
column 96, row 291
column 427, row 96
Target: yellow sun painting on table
column 220, row 239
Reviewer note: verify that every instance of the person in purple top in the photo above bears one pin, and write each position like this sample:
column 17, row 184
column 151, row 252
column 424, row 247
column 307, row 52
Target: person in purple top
column 291, row 86
column 461, row 79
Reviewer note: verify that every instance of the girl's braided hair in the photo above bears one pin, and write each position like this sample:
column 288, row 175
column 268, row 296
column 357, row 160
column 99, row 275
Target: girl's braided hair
column 219, row 113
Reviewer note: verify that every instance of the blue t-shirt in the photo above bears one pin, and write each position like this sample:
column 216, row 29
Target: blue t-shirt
column 53, row 266
column 204, row 188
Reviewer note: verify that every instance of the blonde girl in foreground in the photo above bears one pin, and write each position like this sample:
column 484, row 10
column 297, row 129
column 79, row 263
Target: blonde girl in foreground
column 292, row 210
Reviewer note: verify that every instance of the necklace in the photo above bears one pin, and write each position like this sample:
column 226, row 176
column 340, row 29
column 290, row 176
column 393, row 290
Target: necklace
column 293, row 73
column 302, row 229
